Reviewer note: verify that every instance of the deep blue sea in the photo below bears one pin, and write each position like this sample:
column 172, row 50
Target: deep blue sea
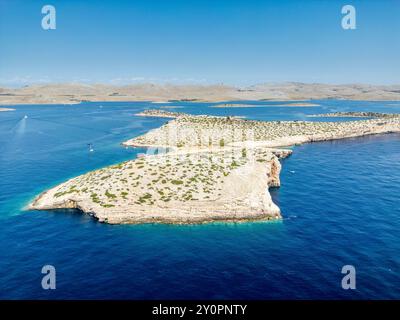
column 340, row 201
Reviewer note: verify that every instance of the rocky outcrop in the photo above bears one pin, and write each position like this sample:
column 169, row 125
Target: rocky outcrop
column 273, row 174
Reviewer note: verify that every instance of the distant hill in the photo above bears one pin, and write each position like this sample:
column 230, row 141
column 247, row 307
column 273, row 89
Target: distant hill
column 74, row 93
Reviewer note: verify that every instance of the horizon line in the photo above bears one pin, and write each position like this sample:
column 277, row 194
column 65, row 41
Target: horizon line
column 192, row 84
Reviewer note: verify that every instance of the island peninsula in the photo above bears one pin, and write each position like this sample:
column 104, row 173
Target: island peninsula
column 200, row 169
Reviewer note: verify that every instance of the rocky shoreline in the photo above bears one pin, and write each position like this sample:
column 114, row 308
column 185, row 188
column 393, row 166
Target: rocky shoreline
column 217, row 169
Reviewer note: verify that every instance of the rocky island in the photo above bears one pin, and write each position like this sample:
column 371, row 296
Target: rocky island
column 159, row 113
column 238, row 105
column 354, row 115
column 215, row 169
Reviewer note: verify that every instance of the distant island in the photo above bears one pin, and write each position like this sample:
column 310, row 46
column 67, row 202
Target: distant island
column 354, row 115
column 238, row 105
column 160, row 114
column 297, row 104
column 289, row 91
column 202, row 169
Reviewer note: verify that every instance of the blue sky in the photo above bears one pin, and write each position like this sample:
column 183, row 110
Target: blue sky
column 206, row 41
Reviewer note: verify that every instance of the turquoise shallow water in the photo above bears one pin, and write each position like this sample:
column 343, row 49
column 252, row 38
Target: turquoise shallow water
column 339, row 201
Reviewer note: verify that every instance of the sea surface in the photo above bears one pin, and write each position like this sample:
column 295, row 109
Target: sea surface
column 340, row 203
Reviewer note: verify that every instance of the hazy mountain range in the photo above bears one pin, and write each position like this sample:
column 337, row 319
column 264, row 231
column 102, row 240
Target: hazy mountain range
column 75, row 92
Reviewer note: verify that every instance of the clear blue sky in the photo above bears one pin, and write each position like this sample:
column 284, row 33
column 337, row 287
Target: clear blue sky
column 207, row 41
